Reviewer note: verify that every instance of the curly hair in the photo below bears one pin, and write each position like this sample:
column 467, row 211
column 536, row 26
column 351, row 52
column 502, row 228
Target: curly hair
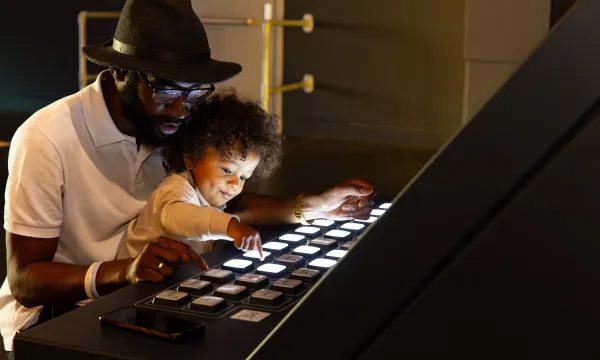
column 229, row 124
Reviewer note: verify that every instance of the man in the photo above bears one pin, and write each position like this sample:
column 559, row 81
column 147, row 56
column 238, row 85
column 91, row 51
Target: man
column 80, row 169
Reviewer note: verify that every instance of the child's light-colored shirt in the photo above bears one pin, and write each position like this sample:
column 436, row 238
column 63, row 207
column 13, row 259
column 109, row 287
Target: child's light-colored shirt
column 177, row 210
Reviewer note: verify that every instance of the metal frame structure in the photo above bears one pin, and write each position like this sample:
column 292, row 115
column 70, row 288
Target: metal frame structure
column 266, row 90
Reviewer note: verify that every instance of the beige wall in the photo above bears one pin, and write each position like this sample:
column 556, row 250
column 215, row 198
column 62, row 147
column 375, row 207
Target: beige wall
column 499, row 36
column 387, row 71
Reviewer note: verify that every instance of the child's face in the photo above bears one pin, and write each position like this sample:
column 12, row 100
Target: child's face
column 220, row 179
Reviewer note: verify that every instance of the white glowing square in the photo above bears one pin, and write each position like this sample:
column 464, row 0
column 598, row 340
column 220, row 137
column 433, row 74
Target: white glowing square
column 377, row 212
column 238, row 264
column 385, row 206
column 338, row 233
column 322, row 263
column 322, row 222
column 352, row 226
column 369, row 220
column 255, row 255
column 274, row 245
column 271, row 268
column 310, row 250
column 291, row 237
column 308, row 230
column 336, row 254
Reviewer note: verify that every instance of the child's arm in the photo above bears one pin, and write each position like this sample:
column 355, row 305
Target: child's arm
column 182, row 220
column 187, row 221
column 350, row 199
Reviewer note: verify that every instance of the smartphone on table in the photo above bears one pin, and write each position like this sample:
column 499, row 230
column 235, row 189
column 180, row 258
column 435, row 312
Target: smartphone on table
column 157, row 324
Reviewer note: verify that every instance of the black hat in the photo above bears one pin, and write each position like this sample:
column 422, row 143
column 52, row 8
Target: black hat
column 164, row 38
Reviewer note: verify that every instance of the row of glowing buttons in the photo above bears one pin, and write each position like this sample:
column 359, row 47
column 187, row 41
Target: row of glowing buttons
column 326, row 227
column 235, row 292
column 295, row 260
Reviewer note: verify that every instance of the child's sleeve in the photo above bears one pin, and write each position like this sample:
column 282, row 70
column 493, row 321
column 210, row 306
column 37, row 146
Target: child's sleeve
column 183, row 220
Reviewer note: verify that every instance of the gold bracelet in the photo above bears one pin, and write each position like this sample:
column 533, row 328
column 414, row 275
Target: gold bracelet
column 299, row 214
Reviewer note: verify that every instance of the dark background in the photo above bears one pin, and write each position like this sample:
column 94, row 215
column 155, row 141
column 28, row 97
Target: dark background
column 39, row 64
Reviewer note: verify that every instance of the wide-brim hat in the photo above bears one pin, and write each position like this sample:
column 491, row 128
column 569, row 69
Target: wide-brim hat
column 164, row 38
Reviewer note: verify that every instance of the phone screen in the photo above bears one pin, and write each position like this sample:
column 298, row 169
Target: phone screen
column 151, row 323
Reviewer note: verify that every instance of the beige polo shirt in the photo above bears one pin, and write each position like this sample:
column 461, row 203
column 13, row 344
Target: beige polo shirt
column 73, row 175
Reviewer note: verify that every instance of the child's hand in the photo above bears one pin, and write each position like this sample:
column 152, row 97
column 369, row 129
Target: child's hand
column 244, row 237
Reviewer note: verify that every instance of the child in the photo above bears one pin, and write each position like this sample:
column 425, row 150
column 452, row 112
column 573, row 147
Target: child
column 227, row 141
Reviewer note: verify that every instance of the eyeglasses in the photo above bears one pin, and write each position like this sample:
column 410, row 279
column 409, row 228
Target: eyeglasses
column 167, row 96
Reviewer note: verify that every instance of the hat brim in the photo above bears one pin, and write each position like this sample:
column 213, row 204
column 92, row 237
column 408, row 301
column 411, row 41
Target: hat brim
column 211, row 72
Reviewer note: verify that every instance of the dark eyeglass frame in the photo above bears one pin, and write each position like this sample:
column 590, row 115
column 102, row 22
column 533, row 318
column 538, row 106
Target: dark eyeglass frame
column 209, row 90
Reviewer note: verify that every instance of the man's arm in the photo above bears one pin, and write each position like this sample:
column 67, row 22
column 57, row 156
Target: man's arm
column 35, row 280
column 350, row 199
column 263, row 210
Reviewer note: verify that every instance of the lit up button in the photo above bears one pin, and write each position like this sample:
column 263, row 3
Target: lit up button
column 293, row 240
column 239, row 266
column 309, row 276
column 309, row 252
column 347, row 246
column 195, row 287
column 324, row 244
column 171, row 298
column 208, row 304
column 339, row 235
column 276, row 248
column 369, row 220
column 255, row 257
column 232, row 292
column 324, row 225
column 291, row 262
column 267, row 297
column 336, row 254
column 353, row 227
column 272, row 270
column 288, row 286
column 308, row 230
column 217, row 276
column 253, row 281
column 322, row 264
column 377, row 212
column 385, row 205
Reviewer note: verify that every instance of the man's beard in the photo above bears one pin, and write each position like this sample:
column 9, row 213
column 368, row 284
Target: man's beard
column 146, row 126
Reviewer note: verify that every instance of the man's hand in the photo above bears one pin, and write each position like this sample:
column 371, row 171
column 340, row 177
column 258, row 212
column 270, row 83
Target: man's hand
column 160, row 259
column 244, row 237
column 351, row 199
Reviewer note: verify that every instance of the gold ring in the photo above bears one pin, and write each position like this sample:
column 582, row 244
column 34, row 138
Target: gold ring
column 160, row 266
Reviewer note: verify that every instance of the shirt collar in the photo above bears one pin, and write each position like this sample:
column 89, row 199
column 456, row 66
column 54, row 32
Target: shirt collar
column 100, row 124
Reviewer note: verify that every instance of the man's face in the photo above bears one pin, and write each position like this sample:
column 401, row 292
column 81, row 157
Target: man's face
column 220, row 179
column 153, row 122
